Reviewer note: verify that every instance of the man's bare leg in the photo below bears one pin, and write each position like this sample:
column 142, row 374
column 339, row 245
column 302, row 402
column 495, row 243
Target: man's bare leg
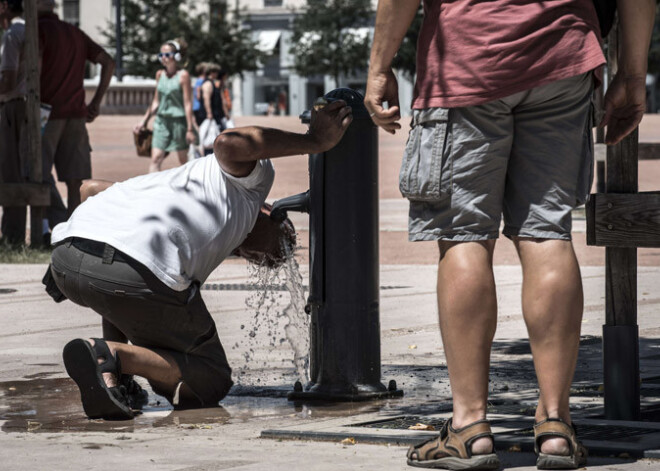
column 467, row 309
column 552, row 301
column 155, row 365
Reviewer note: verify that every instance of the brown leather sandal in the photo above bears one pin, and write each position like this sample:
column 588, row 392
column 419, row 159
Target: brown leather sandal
column 559, row 429
column 453, row 449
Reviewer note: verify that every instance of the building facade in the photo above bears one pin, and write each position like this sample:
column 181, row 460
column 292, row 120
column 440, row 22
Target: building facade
column 274, row 87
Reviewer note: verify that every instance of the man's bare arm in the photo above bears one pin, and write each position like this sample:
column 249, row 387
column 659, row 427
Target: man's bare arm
column 625, row 101
column 636, row 19
column 393, row 18
column 238, row 149
column 107, row 69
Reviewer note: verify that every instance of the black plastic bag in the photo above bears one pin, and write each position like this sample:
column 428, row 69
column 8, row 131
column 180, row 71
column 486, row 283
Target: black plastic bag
column 51, row 288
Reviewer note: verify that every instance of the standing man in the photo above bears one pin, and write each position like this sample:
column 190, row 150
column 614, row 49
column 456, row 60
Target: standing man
column 64, row 50
column 13, row 142
column 502, row 124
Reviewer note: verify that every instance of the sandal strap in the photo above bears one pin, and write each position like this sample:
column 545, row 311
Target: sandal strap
column 555, row 427
column 451, row 442
column 110, row 363
column 462, row 439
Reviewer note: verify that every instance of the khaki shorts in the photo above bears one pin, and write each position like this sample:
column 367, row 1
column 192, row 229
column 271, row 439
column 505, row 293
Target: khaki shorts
column 65, row 143
column 169, row 134
column 528, row 157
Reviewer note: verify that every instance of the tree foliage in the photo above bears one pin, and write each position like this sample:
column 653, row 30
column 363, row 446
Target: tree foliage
column 327, row 39
column 211, row 34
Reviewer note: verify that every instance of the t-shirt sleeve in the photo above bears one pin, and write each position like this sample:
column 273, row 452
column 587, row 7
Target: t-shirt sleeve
column 11, row 51
column 258, row 182
column 93, row 49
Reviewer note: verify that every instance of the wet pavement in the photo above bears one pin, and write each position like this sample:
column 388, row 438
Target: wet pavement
column 42, row 422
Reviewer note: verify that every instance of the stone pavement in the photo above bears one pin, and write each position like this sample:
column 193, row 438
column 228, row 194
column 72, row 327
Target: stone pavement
column 42, row 425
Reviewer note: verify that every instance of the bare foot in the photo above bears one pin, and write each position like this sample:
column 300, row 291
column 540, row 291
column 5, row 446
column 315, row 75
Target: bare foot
column 482, row 446
column 555, row 446
column 109, row 378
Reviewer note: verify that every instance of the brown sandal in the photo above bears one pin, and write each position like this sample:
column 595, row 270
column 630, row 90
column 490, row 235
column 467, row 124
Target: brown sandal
column 453, row 449
column 558, row 428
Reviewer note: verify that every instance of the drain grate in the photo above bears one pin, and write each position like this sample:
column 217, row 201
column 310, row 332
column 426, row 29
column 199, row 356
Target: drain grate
column 521, row 347
column 405, row 422
column 7, row 290
column 512, row 409
column 585, row 432
column 258, row 287
column 607, row 433
column 243, row 287
column 402, row 423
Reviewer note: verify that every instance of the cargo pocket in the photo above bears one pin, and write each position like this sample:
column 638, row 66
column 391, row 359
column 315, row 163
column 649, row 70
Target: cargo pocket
column 425, row 155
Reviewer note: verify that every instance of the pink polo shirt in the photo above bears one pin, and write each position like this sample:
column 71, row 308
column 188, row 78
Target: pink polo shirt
column 474, row 51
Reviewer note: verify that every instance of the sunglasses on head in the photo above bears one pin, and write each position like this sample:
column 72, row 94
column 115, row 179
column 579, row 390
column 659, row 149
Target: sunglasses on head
column 165, row 54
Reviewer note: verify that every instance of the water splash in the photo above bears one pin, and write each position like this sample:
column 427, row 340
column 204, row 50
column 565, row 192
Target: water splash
column 278, row 327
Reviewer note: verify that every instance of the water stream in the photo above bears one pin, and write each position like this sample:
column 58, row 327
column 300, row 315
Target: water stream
column 279, row 320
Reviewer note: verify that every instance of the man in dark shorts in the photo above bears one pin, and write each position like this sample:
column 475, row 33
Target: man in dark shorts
column 502, row 129
column 137, row 251
column 64, row 51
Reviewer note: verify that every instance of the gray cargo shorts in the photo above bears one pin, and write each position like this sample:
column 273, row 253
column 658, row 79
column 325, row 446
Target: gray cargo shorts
column 528, row 156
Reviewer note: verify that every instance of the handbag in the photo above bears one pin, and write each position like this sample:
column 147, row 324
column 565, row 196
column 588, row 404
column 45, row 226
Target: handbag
column 143, row 142
column 605, row 9
column 208, row 131
column 193, row 152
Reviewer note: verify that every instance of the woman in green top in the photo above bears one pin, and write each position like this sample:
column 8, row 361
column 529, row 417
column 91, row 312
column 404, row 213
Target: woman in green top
column 172, row 105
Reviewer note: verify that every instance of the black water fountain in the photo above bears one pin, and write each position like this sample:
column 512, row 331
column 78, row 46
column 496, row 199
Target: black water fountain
column 343, row 302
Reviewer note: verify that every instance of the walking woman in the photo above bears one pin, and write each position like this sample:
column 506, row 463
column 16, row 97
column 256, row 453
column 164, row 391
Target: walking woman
column 172, row 105
column 211, row 106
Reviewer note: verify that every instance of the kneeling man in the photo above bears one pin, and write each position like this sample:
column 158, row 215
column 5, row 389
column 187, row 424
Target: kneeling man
column 137, row 252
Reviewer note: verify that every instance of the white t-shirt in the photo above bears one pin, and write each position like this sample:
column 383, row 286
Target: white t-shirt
column 11, row 57
column 180, row 223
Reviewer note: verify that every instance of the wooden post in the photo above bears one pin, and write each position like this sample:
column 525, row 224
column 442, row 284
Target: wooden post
column 620, row 332
column 33, row 113
column 599, row 101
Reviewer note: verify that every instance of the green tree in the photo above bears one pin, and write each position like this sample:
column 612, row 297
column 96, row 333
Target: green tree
column 406, row 58
column 327, row 39
column 211, row 36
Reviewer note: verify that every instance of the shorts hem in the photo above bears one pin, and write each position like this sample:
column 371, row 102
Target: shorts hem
column 527, row 234
column 170, row 148
column 452, row 236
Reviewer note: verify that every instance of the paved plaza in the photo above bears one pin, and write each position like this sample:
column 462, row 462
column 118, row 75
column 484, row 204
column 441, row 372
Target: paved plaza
column 42, row 425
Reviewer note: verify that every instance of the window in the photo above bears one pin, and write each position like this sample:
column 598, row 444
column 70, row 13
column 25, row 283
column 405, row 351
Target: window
column 272, row 3
column 71, row 11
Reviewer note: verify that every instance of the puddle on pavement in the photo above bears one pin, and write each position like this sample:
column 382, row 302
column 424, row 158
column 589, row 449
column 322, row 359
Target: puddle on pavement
column 52, row 405
column 275, row 352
